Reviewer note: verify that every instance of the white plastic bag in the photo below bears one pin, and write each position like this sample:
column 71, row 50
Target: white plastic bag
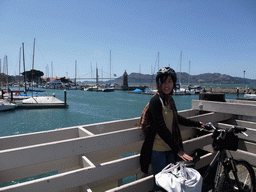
column 178, row 178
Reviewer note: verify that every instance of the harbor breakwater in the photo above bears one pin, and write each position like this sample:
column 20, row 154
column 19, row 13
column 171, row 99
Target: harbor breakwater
column 229, row 90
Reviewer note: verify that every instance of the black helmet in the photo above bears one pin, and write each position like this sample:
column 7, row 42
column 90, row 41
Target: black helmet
column 166, row 71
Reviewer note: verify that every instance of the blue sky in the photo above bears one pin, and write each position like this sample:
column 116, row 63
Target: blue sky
column 216, row 36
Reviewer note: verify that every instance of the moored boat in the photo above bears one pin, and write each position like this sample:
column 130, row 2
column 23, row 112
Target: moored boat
column 183, row 91
column 5, row 105
column 108, row 89
column 18, row 98
column 250, row 96
column 42, row 102
column 92, row 88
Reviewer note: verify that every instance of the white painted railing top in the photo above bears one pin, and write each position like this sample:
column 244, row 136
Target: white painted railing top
column 97, row 157
column 236, row 107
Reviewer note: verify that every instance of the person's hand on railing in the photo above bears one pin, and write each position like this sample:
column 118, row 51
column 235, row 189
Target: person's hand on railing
column 202, row 124
column 184, row 156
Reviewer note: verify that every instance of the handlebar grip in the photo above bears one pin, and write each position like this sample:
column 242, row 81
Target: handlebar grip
column 208, row 126
column 239, row 129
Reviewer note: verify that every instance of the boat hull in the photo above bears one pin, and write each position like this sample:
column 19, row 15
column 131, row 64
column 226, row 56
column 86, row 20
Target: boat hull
column 108, row 90
column 250, row 96
column 42, row 102
column 6, row 106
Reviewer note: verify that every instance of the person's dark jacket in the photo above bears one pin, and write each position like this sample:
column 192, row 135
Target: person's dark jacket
column 157, row 125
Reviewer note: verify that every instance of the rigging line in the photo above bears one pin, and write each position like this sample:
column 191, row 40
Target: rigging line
column 84, row 74
column 157, row 58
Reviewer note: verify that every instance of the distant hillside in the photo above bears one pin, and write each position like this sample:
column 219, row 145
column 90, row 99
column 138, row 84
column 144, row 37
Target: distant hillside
column 215, row 78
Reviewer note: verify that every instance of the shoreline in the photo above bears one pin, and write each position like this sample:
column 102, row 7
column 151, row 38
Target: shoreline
column 228, row 90
column 232, row 90
column 211, row 89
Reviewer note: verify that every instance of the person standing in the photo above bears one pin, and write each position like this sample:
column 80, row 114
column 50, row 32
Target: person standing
column 163, row 142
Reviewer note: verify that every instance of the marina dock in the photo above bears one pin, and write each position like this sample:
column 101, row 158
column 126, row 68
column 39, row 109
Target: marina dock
column 105, row 156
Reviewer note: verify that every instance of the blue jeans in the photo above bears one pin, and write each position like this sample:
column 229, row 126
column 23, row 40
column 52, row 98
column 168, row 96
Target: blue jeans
column 159, row 160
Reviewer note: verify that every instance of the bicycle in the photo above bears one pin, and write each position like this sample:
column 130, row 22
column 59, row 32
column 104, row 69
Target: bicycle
column 231, row 174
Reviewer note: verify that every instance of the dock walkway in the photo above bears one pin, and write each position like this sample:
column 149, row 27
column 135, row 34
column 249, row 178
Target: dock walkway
column 100, row 157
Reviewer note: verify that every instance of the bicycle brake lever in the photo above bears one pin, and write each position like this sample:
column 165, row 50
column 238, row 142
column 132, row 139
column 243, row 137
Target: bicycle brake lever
column 208, row 126
column 244, row 134
column 220, row 136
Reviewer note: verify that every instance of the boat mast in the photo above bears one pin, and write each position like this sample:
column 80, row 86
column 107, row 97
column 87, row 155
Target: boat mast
column 33, row 60
column 189, row 73
column 180, row 67
column 110, row 67
column 152, row 73
column 4, row 72
column 91, row 71
column 52, row 69
column 158, row 61
column 25, row 77
column 97, row 76
column 19, row 66
column 75, row 71
column 6, row 65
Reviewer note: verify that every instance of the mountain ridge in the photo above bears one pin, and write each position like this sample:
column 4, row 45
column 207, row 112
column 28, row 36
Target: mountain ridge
column 215, row 78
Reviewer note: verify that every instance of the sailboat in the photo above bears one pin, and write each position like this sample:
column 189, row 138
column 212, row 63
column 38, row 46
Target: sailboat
column 152, row 91
column 35, row 101
column 190, row 91
column 250, row 96
column 6, row 105
column 178, row 89
column 108, row 88
column 19, row 96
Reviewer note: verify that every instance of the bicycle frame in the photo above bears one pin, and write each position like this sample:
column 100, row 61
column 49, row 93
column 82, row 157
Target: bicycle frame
column 225, row 163
column 231, row 165
column 218, row 158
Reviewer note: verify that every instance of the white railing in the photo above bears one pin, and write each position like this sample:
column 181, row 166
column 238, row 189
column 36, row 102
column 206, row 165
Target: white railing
column 91, row 157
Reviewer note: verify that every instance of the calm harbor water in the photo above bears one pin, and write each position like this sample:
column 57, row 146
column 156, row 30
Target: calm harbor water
column 84, row 108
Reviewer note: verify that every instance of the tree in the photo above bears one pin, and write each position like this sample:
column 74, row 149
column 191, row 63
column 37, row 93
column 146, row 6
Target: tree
column 64, row 80
column 35, row 74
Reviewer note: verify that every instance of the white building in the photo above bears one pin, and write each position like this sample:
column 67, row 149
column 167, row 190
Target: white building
column 54, row 84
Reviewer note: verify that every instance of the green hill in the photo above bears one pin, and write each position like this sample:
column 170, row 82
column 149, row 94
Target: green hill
column 215, row 78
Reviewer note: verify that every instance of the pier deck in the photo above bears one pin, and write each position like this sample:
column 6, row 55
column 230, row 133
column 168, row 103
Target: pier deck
column 103, row 156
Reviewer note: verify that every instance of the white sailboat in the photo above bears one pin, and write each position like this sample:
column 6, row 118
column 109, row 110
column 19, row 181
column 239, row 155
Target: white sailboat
column 101, row 88
column 19, row 96
column 153, row 91
column 179, row 90
column 190, row 91
column 109, row 88
column 250, row 96
column 6, row 105
column 40, row 101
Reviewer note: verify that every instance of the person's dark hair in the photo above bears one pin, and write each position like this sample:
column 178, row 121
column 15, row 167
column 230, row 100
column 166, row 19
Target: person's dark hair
column 162, row 75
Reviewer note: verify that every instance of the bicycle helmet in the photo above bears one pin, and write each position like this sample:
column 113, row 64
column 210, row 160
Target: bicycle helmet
column 167, row 71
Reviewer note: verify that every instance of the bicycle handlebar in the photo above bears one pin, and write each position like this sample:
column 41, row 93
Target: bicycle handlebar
column 236, row 129
column 210, row 126
column 239, row 129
